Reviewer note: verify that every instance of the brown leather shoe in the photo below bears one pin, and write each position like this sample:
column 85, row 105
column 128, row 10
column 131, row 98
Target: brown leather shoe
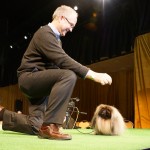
column 52, row 132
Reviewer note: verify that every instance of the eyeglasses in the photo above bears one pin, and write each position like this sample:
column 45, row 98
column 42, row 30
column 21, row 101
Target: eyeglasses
column 71, row 24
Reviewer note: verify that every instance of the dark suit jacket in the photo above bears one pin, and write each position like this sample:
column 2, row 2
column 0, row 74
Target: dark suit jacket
column 45, row 52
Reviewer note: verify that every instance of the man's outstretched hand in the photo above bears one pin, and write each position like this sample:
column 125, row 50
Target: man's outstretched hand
column 102, row 78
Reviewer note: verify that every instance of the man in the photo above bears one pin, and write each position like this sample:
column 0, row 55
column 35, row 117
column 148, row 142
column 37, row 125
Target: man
column 47, row 76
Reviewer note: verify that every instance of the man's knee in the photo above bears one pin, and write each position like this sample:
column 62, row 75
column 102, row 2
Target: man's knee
column 70, row 75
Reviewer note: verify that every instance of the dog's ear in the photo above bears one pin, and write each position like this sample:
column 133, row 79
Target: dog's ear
column 93, row 121
column 117, row 123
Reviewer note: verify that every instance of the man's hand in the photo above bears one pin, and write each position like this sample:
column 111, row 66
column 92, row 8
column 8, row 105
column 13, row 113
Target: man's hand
column 102, row 78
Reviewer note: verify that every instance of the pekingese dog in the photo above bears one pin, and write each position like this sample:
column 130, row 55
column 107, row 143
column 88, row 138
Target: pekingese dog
column 107, row 120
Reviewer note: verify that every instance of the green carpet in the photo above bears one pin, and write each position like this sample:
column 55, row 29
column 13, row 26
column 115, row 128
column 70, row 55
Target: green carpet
column 132, row 139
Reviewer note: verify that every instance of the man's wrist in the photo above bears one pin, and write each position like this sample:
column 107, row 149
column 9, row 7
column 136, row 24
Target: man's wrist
column 90, row 75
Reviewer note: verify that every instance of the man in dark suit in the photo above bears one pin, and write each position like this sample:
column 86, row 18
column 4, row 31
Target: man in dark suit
column 47, row 76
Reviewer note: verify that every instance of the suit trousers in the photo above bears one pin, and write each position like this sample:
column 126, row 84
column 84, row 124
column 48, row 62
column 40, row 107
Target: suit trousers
column 49, row 92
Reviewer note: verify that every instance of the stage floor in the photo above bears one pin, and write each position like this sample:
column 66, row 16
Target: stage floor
column 82, row 139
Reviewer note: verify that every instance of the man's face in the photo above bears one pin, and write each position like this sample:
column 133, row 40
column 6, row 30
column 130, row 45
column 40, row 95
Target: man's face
column 67, row 25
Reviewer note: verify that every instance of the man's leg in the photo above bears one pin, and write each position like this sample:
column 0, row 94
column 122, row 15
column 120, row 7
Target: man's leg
column 28, row 124
column 13, row 121
column 59, row 98
column 58, row 84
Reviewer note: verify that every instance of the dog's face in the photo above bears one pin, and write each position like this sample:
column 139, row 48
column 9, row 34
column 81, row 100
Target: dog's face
column 105, row 112
column 102, row 111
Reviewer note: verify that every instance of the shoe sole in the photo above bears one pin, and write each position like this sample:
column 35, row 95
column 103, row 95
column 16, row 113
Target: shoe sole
column 50, row 138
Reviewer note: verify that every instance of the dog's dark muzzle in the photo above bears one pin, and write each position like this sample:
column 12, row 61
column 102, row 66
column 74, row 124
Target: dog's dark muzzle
column 105, row 113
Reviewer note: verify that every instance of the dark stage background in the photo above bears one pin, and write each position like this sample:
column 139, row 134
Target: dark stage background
column 105, row 30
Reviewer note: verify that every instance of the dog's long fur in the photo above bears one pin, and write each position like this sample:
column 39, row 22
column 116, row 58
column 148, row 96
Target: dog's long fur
column 107, row 120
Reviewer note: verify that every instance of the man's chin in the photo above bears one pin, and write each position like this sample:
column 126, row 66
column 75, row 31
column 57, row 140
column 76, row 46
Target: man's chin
column 63, row 33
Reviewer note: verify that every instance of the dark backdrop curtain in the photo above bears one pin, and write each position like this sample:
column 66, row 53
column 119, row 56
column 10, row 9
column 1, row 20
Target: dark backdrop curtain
column 110, row 34
column 115, row 29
